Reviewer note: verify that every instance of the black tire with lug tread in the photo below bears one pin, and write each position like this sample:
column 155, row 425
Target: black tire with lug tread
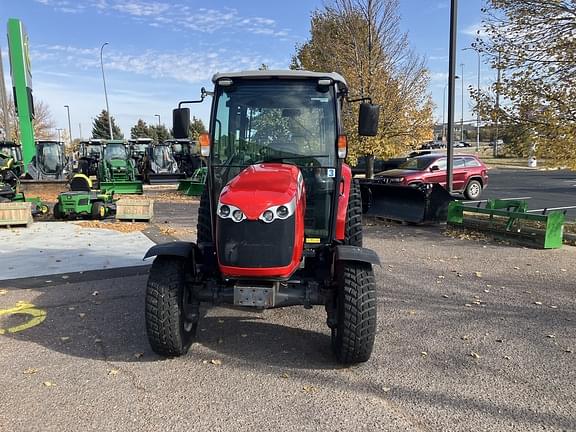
column 57, row 212
column 204, row 226
column 98, row 210
column 353, row 337
column 353, row 229
column 473, row 190
column 169, row 332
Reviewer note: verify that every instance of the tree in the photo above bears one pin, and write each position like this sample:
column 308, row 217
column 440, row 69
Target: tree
column 196, row 128
column 43, row 122
column 160, row 133
column 361, row 40
column 532, row 44
column 141, row 130
column 100, row 128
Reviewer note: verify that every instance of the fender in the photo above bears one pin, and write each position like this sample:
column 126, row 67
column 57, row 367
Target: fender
column 344, row 195
column 177, row 248
column 355, row 253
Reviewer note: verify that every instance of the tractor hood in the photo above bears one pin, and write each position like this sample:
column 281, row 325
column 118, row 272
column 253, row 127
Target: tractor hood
column 261, row 186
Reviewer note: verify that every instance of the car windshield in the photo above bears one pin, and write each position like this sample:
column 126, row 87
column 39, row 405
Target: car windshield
column 50, row 157
column 114, row 151
column 417, row 164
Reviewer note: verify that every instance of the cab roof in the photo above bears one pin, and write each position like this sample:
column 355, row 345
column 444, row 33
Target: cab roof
column 287, row 74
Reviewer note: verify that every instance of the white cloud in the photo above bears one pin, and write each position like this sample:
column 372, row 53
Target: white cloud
column 175, row 16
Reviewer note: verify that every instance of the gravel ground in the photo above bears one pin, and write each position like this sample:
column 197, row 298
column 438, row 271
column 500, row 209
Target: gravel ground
column 472, row 335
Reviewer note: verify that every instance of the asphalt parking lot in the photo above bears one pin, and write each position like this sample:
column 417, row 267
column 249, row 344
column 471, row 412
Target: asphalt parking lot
column 471, row 336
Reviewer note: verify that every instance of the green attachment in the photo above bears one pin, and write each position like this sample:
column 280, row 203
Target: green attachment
column 19, row 53
column 91, row 204
column 122, row 187
column 511, row 219
column 194, row 186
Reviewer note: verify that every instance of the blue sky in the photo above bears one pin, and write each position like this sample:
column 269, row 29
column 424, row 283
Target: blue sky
column 163, row 51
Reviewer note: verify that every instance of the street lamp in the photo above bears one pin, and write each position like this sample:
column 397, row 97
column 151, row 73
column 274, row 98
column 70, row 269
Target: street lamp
column 69, row 124
column 477, row 102
column 451, row 82
column 444, row 110
column 105, row 92
column 462, row 111
column 158, row 115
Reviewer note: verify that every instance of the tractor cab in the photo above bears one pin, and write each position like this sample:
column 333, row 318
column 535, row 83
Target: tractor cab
column 11, row 154
column 116, row 170
column 49, row 163
column 89, row 154
column 279, row 222
column 161, row 167
column 186, row 155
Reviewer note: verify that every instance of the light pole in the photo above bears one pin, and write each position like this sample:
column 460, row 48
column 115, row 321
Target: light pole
column 105, row 92
column 444, row 110
column 69, row 125
column 462, row 111
column 59, row 130
column 451, row 83
column 158, row 115
column 477, row 102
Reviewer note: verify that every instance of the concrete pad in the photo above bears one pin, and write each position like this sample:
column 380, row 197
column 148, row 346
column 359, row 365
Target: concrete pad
column 47, row 248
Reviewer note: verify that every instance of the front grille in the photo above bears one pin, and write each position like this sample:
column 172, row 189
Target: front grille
column 255, row 244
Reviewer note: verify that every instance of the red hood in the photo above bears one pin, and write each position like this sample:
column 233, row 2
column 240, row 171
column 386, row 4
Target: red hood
column 261, row 186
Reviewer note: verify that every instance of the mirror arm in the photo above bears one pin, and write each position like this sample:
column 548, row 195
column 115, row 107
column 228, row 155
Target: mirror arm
column 203, row 94
column 360, row 99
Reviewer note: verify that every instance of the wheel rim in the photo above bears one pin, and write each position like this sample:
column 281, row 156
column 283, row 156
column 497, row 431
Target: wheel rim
column 474, row 190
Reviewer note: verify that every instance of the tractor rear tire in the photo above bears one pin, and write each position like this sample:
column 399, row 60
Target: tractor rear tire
column 57, row 212
column 204, row 226
column 169, row 332
column 353, row 229
column 355, row 331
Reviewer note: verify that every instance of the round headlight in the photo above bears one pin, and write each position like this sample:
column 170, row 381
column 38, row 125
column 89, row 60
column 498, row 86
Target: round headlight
column 268, row 216
column 237, row 215
column 224, row 211
column 282, row 212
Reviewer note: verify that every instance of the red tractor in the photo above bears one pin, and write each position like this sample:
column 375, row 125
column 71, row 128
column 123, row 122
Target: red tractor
column 279, row 222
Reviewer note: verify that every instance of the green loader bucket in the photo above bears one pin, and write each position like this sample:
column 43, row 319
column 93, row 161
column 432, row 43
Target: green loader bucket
column 426, row 204
column 122, row 187
column 194, row 186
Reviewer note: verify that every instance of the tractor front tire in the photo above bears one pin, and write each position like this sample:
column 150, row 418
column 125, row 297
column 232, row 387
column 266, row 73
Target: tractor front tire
column 58, row 212
column 355, row 331
column 204, row 226
column 169, row 331
column 353, row 229
column 98, row 210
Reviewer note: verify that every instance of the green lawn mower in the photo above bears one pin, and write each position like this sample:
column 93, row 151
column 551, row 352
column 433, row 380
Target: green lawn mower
column 84, row 202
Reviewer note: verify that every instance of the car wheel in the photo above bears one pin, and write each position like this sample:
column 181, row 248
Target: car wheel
column 473, row 190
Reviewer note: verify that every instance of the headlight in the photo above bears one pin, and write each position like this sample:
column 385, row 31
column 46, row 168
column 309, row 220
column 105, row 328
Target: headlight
column 283, row 211
column 396, row 179
column 227, row 211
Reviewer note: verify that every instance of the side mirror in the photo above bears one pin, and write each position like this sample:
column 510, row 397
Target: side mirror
column 180, row 122
column 434, row 168
column 368, row 119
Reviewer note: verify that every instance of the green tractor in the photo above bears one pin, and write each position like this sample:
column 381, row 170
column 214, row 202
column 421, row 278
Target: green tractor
column 81, row 201
column 49, row 163
column 89, row 154
column 116, row 170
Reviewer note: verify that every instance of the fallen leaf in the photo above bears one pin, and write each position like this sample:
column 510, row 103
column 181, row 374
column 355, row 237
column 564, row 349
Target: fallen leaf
column 538, row 303
column 516, row 268
column 65, row 277
column 64, row 338
column 220, row 340
column 71, row 308
column 423, row 353
column 506, row 357
column 465, row 337
column 500, row 340
column 3, row 291
column 48, row 383
column 216, row 362
column 309, row 389
column 478, row 274
column 30, row 371
column 551, row 336
column 95, row 293
column 113, row 372
column 284, row 375
column 386, row 389
column 81, row 315
column 220, row 321
column 444, row 295
column 474, row 355
column 568, row 350
column 97, row 340
column 243, row 335
column 467, row 305
column 554, row 307
column 139, row 355
column 563, row 270
column 441, row 277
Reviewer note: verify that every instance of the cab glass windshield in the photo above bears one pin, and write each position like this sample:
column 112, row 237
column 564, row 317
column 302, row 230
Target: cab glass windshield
column 115, row 151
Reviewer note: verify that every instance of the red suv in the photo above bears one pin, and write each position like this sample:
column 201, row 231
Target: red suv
column 470, row 174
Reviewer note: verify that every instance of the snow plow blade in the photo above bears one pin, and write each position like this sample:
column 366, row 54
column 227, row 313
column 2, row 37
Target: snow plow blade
column 425, row 204
column 164, row 178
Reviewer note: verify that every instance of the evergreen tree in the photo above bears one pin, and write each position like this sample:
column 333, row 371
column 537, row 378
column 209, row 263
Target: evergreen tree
column 196, row 128
column 160, row 133
column 100, row 128
column 141, row 130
